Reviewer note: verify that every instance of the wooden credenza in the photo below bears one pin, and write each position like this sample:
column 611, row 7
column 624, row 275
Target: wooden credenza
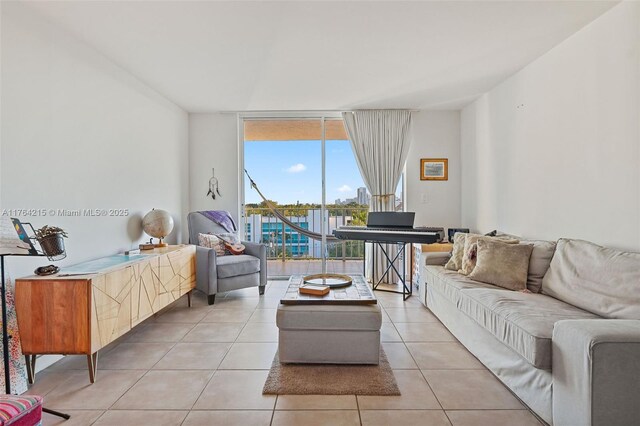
column 81, row 314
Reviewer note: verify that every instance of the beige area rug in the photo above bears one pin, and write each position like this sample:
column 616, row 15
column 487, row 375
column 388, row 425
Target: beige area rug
column 331, row 379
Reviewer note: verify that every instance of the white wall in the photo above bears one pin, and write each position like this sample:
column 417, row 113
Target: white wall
column 436, row 134
column 554, row 151
column 78, row 132
column 213, row 143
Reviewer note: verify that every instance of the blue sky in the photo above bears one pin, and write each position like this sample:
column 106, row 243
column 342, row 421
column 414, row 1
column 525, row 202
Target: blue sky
column 290, row 171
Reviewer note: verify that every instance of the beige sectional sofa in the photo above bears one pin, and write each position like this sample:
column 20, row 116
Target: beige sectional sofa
column 571, row 352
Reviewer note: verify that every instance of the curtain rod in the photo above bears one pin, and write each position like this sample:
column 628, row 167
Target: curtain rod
column 297, row 111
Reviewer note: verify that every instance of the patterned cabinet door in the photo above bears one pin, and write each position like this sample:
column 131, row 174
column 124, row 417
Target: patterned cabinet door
column 177, row 260
column 187, row 269
column 111, row 306
column 143, row 291
column 168, row 284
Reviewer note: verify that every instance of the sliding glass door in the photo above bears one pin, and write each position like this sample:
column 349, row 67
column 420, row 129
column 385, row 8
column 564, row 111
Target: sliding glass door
column 347, row 198
column 305, row 170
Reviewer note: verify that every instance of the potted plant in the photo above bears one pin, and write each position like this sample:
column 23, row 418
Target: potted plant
column 51, row 239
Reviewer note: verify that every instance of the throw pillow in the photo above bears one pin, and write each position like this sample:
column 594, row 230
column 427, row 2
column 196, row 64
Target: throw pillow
column 230, row 238
column 455, row 262
column 501, row 264
column 213, row 242
column 469, row 257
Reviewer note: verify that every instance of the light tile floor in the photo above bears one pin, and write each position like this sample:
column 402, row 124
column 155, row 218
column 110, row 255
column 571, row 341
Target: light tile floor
column 206, row 365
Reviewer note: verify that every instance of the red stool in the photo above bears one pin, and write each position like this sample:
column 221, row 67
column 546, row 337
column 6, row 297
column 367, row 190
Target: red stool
column 20, row 410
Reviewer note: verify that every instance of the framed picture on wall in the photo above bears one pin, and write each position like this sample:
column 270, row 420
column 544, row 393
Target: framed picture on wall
column 434, row 169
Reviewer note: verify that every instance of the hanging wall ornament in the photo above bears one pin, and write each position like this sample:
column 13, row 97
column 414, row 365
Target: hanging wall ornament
column 214, row 191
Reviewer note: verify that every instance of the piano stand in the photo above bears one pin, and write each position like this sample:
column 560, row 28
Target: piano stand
column 407, row 291
column 398, row 236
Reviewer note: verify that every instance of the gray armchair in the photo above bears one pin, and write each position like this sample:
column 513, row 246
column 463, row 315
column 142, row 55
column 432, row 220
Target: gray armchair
column 217, row 274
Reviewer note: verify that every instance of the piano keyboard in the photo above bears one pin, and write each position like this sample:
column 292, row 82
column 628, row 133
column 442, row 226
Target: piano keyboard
column 391, row 235
column 376, row 229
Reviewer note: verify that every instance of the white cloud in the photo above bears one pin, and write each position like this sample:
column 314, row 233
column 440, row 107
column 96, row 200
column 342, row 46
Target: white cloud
column 297, row 168
column 344, row 188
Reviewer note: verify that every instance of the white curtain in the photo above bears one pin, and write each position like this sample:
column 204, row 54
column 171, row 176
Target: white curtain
column 380, row 142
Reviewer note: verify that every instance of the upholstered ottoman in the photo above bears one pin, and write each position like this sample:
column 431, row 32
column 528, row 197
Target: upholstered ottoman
column 329, row 334
column 20, row 410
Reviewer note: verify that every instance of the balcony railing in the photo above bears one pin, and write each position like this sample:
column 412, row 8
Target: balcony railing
column 286, row 243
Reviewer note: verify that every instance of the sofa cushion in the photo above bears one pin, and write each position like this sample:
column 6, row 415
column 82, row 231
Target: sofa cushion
column 20, row 410
column 597, row 279
column 504, row 265
column 435, row 257
column 539, row 262
column 329, row 317
column 232, row 266
column 522, row 321
column 449, row 283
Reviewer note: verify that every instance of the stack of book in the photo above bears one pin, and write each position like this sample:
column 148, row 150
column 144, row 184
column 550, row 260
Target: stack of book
column 315, row 290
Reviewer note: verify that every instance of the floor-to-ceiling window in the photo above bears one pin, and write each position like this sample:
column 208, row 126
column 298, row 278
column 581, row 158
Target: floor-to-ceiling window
column 306, row 168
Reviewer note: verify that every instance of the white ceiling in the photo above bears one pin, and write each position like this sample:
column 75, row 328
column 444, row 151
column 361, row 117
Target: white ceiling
column 212, row 56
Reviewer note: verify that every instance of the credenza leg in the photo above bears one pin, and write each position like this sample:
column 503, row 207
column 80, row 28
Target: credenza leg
column 31, row 368
column 189, row 298
column 92, row 362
